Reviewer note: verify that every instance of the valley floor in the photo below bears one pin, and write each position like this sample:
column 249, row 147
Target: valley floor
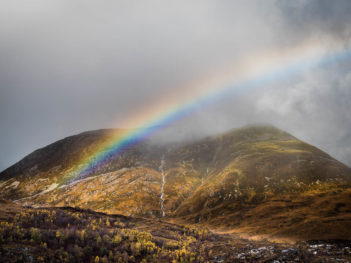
column 76, row 235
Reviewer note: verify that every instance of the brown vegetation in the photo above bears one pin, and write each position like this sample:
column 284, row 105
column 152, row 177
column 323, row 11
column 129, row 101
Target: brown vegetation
column 76, row 235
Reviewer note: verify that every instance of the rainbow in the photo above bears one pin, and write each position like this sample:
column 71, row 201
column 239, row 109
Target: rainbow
column 258, row 72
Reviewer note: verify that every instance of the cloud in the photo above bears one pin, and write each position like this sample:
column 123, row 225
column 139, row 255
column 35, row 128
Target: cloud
column 70, row 66
column 315, row 108
column 317, row 17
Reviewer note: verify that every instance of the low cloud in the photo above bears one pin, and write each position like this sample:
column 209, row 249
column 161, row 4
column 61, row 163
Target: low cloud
column 71, row 66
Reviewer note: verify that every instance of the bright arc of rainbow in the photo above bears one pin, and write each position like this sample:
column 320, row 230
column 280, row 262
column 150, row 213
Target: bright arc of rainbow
column 180, row 110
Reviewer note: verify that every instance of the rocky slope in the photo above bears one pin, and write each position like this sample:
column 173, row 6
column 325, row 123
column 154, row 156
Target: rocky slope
column 256, row 180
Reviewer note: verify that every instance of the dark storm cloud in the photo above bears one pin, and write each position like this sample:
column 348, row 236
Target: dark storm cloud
column 317, row 16
column 70, row 66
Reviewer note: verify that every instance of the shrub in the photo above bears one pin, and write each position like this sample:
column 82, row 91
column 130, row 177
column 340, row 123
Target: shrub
column 35, row 235
column 116, row 239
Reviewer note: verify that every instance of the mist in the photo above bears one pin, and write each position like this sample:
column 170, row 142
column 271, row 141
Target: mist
column 72, row 66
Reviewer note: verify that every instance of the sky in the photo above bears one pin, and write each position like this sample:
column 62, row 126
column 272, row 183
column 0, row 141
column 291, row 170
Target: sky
column 68, row 66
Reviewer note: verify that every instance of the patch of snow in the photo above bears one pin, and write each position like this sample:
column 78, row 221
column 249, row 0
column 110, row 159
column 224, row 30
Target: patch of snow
column 49, row 189
column 34, row 168
column 43, row 179
column 14, row 184
column 4, row 182
column 254, row 251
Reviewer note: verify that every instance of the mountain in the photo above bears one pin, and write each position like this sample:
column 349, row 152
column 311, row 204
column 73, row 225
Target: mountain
column 257, row 180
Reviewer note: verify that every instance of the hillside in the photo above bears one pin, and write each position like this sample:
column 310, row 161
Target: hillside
column 256, row 180
column 76, row 235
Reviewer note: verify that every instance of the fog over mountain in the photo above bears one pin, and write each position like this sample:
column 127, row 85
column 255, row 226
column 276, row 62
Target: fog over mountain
column 71, row 66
